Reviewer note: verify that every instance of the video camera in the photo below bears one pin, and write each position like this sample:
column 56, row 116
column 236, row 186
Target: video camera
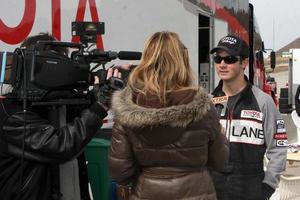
column 39, row 73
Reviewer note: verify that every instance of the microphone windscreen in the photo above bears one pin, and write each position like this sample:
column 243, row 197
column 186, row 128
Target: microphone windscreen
column 129, row 55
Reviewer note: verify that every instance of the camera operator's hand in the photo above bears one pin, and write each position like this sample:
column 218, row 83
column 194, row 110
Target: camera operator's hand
column 127, row 67
column 125, row 70
column 223, row 131
column 104, row 91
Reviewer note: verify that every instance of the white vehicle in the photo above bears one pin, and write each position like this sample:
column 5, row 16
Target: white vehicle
column 128, row 23
column 287, row 94
column 294, row 71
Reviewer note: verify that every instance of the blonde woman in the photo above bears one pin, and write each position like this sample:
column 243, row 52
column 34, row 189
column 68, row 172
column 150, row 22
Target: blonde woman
column 166, row 130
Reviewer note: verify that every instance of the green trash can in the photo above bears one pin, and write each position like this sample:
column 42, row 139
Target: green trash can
column 96, row 154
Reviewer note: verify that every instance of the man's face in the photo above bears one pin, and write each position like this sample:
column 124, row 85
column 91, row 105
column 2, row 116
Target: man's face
column 229, row 68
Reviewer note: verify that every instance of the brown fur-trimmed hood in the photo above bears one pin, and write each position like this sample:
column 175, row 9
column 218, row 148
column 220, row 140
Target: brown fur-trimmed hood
column 130, row 114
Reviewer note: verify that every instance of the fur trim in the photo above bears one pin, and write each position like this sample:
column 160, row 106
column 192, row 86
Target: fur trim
column 130, row 114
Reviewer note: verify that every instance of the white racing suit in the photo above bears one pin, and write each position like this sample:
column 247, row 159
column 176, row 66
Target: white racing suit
column 254, row 128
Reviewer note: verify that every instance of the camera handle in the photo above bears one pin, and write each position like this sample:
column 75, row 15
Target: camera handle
column 41, row 45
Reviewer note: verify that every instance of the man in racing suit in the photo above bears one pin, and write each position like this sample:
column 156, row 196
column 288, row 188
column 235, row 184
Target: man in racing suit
column 253, row 126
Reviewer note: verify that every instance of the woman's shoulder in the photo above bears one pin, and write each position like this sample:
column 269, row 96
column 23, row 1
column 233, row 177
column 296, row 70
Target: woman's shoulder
column 128, row 112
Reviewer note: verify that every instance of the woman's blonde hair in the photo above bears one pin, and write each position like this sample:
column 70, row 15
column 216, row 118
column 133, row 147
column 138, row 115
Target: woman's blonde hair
column 164, row 67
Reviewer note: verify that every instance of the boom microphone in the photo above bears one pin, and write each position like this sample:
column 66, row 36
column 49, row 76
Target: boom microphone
column 129, row 55
column 111, row 55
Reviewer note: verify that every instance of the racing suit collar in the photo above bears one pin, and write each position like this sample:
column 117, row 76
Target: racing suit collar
column 219, row 92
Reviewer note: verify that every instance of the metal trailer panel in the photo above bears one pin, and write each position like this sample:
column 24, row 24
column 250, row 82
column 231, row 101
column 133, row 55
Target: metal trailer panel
column 129, row 23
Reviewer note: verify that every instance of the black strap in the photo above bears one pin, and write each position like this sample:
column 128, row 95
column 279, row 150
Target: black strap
column 56, row 194
column 83, row 177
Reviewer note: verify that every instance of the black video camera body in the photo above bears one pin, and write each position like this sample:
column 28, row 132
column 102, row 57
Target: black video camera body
column 35, row 72
column 40, row 73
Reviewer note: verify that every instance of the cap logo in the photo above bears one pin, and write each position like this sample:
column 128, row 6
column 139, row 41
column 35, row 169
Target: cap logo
column 229, row 40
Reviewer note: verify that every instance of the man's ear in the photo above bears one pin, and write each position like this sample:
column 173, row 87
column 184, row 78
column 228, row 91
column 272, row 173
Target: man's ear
column 245, row 63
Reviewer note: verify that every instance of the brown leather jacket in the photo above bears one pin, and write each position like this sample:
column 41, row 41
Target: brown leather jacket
column 164, row 151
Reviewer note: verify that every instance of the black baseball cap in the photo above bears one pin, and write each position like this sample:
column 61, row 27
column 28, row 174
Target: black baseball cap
column 233, row 45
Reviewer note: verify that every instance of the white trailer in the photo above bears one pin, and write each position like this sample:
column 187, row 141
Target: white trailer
column 294, row 72
column 128, row 23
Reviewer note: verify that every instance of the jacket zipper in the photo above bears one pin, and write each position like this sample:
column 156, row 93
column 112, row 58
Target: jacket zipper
column 229, row 119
